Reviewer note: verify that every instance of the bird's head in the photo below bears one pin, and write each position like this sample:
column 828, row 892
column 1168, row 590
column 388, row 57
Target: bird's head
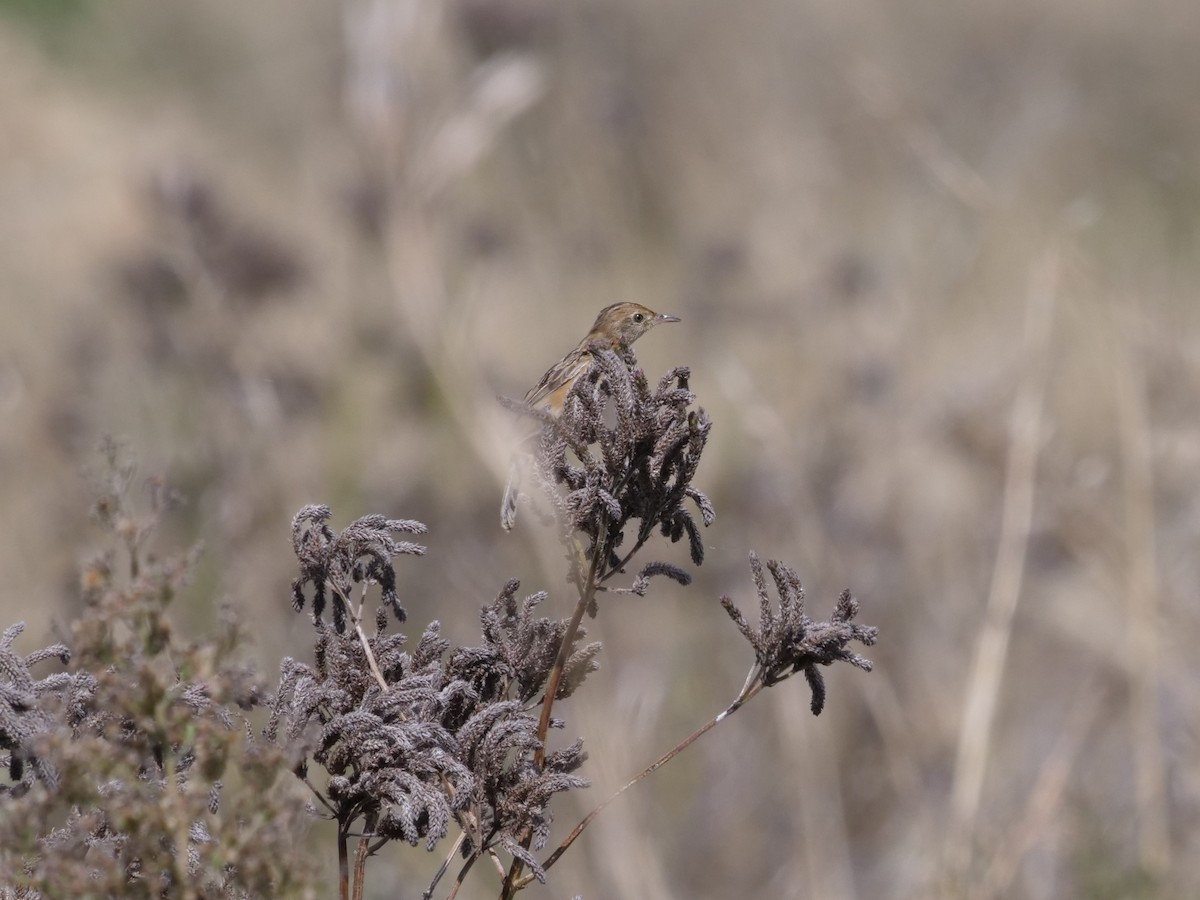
column 623, row 323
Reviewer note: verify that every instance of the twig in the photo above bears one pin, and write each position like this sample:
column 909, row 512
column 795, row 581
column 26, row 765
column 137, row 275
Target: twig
column 371, row 658
column 624, row 562
column 752, row 687
column 560, row 661
column 356, row 617
column 343, row 864
column 462, row 836
column 320, row 797
column 496, row 861
column 564, row 649
column 360, row 865
column 462, row 874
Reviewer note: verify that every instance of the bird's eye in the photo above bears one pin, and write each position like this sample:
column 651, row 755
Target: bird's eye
column 639, row 318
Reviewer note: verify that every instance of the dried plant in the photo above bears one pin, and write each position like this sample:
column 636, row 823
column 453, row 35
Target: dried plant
column 617, row 454
column 619, row 462
column 361, row 554
column 788, row 641
column 416, row 743
column 118, row 765
column 413, row 742
column 25, row 710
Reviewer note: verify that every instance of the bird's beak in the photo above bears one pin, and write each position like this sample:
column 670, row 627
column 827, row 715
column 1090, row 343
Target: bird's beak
column 666, row 317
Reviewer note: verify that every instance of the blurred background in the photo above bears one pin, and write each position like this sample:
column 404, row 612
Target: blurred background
column 936, row 265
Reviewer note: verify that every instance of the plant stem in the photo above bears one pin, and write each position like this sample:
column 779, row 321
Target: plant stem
column 343, row 865
column 564, row 649
column 462, row 835
column 586, row 594
column 356, row 617
column 360, row 865
column 753, row 686
column 320, row 797
column 625, row 561
column 374, row 666
column 462, row 874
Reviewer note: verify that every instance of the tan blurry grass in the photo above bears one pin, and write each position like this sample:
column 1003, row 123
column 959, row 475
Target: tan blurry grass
column 847, row 204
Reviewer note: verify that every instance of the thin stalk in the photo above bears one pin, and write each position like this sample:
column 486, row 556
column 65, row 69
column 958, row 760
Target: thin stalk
column 374, row 666
column 564, row 652
column 360, row 866
column 343, row 865
column 752, row 687
column 462, row 835
column 320, row 797
column 624, row 561
column 462, row 875
column 356, row 617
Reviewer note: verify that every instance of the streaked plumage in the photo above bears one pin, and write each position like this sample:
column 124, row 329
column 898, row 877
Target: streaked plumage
column 616, row 327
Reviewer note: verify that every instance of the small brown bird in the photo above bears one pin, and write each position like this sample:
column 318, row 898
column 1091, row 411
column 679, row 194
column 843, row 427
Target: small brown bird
column 616, row 328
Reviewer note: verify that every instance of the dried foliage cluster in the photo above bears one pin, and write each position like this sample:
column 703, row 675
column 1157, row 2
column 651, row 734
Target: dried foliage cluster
column 413, row 742
column 134, row 772
column 787, row 641
column 117, row 765
column 621, row 458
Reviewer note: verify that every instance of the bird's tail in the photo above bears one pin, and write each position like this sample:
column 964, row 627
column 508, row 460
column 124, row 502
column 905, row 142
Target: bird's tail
column 508, row 506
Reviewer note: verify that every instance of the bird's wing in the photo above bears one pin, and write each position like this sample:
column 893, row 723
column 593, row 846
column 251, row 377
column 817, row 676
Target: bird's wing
column 559, row 378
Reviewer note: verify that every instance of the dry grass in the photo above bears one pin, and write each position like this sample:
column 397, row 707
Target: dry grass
column 847, row 204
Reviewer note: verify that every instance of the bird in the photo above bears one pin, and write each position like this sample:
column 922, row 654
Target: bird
column 616, row 328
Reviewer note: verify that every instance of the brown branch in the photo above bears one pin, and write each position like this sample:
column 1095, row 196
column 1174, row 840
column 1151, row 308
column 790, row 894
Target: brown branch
column 343, row 864
column 586, row 594
column 462, row 874
column 374, row 666
column 753, row 686
column 360, row 865
column 462, row 835
column 356, row 617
